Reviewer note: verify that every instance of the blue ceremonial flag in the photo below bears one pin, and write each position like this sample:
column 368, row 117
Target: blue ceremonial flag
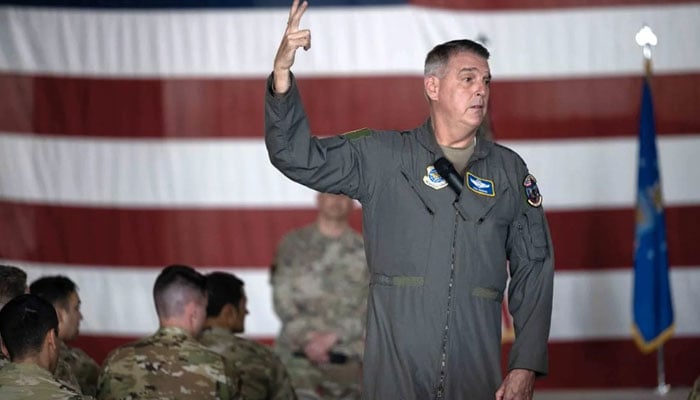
column 653, row 308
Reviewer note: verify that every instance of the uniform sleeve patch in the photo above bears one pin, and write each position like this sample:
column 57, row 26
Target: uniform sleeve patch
column 358, row 133
column 534, row 198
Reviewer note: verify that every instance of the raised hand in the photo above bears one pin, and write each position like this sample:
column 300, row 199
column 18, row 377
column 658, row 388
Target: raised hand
column 293, row 39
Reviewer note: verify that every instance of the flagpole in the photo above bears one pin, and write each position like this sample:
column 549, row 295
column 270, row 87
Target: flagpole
column 646, row 38
column 662, row 387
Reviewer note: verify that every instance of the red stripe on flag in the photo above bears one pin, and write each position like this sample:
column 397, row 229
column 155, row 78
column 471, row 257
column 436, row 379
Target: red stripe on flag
column 589, row 239
column 196, row 108
column 618, row 364
column 146, row 237
column 493, row 5
column 593, row 239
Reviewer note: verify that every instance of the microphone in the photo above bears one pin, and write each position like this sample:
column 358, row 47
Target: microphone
column 448, row 172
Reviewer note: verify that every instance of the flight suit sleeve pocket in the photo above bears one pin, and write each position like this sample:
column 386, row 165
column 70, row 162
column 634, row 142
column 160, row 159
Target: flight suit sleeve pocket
column 536, row 235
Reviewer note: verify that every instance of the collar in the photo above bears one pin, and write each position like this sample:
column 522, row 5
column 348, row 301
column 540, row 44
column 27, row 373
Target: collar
column 172, row 332
column 216, row 331
column 29, row 369
column 426, row 137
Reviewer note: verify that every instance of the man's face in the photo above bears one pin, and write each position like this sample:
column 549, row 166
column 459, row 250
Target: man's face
column 334, row 206
column 238, row 323
column 69, row 317
column 462, row 95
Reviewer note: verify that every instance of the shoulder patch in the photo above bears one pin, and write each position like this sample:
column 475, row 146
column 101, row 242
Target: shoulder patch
column 358, row 133
column 534, row 198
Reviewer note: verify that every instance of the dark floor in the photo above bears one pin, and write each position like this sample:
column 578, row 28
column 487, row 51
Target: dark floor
column 679, row 393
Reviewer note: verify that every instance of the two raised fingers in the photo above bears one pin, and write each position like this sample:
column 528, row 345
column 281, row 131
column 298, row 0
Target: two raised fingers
column 295, row 14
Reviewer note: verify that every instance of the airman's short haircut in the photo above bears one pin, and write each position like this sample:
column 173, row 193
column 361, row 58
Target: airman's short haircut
column 24, row 322
column 177, row 286
column 222, row 288
column 13, row 282
column 54, row 289
column 439, row 56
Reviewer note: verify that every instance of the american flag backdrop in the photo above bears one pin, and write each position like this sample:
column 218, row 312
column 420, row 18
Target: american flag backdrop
column 131, row 138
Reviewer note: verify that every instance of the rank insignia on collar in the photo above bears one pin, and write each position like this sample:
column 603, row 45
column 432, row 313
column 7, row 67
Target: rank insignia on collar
column 433, row 179
column 481, row 186
column 534, row 198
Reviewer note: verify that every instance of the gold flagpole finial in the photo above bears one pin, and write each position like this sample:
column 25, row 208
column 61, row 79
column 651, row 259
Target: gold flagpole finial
column 647, row 39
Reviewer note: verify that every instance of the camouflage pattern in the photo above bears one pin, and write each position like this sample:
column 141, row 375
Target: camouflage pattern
column 84, row 369
column 3, row 360
column 26, row 381
column 695, row 392
column 170, row 365
column 263, row 376
column 320, row 284
column 64, row 374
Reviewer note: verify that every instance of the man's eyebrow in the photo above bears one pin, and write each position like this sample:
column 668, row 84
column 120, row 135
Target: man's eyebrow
column 473, row 69
column 468, row 69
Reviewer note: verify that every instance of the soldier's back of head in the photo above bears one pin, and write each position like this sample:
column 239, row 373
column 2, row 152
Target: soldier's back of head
column 170, row 363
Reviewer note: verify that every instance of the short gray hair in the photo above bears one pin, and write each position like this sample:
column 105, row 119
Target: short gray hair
column 440, row 55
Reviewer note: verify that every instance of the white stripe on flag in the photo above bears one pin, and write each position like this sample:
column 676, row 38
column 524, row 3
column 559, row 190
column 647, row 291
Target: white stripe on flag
column 350, row 41
column 587, row 304
column 572, row 174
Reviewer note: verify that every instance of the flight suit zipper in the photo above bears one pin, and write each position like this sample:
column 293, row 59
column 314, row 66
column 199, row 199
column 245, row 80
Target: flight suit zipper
column 440, row 392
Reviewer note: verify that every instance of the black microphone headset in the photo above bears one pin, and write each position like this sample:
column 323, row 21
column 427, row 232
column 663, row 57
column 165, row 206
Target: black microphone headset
column 448, row 172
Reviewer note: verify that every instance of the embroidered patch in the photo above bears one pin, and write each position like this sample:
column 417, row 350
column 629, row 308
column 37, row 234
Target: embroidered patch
column 433, row 179
column 534, row 198
column 481, row 186
column 357, row 133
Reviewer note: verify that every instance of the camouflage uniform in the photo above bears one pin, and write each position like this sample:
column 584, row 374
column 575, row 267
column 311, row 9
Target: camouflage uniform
column 64, row 374
column 3, row 360
column 321, row 284
column 695, row 392
column 170, row 365
column 84, row 368
column 263, row 376
column 25, row 381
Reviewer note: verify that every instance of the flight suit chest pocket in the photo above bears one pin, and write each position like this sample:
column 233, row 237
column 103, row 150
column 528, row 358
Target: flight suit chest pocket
column 401, row 233
column 425, row 203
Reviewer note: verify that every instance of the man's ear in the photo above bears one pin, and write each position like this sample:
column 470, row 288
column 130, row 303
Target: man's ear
column 229, row 312
column 4, row 349
column 60, row 314
column 51, row 340
column 62, row 317
column 431, row 84
column 191, row 310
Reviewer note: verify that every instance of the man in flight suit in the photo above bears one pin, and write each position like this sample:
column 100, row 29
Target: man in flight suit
column 441, row 242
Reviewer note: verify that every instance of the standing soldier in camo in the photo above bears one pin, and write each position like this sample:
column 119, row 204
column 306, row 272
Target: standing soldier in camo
column 171, row 363
column 263, row 376
column 320, row 284
column 29, row 325
column 13, row 282
column 75, row 366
